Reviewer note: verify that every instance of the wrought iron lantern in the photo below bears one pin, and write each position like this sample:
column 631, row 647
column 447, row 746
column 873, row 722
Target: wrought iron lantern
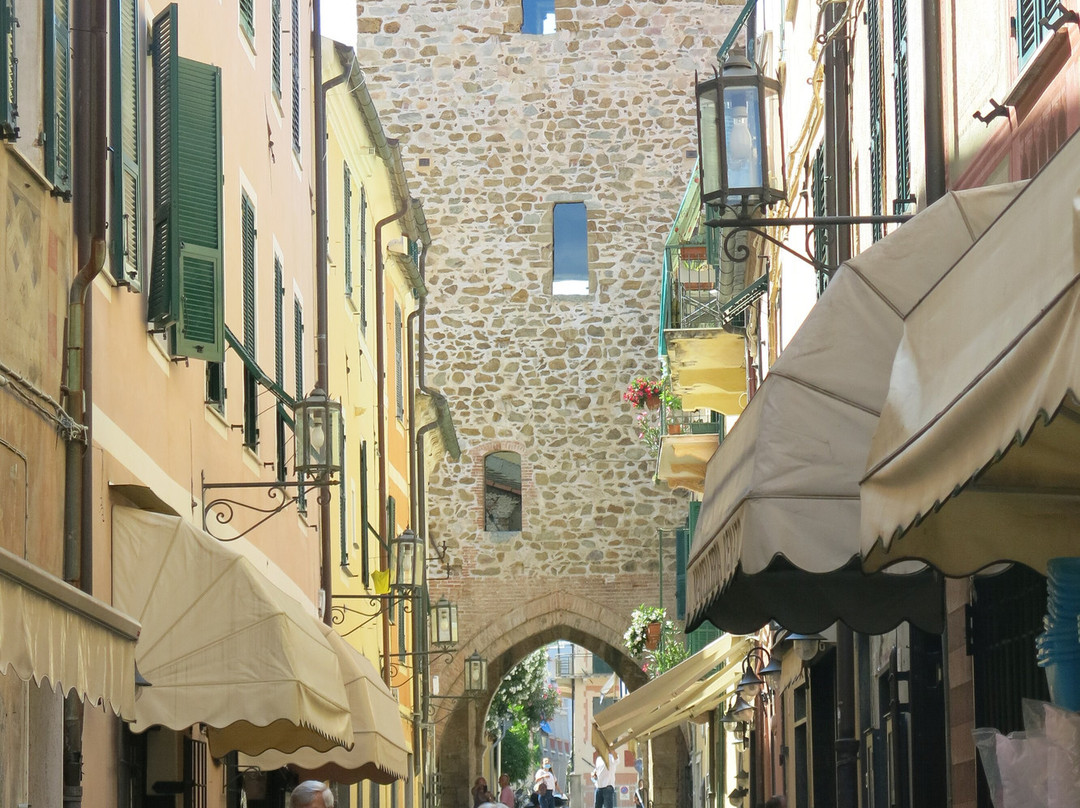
column 406, row 559
column 742, row 711
column 475, row 674
column 750, row 684
column 771, row 674
column 443, row 625
column 318, row 435
column 739, row 137
column 806, row 646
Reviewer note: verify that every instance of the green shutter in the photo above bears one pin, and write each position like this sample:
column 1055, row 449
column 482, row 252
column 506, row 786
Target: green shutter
column 821, row 234
column 200, row 327
column 682, row 546
column 275, row 47
column 877, row 114
column 363, row 257
column 343, row 514
column 295, row 35
column 900, row 99
column 365, row 562
column 247, row 18
column 126, row 224
column 298, row 346
column 163, row 298
column 347, row 214
column 57, row 111
column 279, row 324
column 1029, row 31
column 9, row 89
column 399, row 362
column 247, row 236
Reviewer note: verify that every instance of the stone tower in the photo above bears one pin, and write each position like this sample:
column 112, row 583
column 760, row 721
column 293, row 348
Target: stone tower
column 497, row 128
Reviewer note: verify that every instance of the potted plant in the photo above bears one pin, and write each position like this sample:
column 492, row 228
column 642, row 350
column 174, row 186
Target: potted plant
column 643, row 392
column 636, row 639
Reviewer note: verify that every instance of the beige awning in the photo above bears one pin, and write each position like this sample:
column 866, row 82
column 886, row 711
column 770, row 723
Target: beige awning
column 778, row 533
column 52, row 632
column 380, row 752
column 690, row 689
column 974, row 460
column 221, row 645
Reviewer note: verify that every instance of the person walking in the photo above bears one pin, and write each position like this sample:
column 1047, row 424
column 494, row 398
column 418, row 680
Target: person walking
column 603, row 777
column 479, row 792
column 311, row 794
column 546, row 784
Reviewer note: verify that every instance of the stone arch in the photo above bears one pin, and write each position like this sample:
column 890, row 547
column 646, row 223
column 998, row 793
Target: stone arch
column 506, row 641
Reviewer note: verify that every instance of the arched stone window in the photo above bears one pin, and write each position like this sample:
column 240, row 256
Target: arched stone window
column 502, row 491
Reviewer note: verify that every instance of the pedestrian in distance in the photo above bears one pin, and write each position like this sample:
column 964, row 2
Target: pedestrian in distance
column 311, row 794
column 545, row 784
column 506, row 794
column 479, row 792
column 603, row 777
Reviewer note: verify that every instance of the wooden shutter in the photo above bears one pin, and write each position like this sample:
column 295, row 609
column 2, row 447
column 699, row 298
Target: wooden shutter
column 126, row 225
column 57, row 113
column 298, row 346
column 821, row 234
column 9, row 86
column 900, row 99
column 200, row 328
column 1029, row 32
column 275, row 47
column 399, row 362
column 247, row 236
column 279, row 325
column 247, row 18
column 347, row 215
column 363, row 257
column 163, row 299
column 295, row 36
column 877, row 113
column 365, row 562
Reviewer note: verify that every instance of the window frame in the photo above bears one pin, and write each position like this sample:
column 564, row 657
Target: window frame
column 559, row 249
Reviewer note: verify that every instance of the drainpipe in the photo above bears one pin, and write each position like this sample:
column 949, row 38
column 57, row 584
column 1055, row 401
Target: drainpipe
column 89, row 49
column 933, row 111
column 380, row 381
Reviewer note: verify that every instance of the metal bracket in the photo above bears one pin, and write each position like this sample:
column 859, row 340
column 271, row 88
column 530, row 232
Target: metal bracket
column 224, row 508
column 996, row 110
column 1064, row 15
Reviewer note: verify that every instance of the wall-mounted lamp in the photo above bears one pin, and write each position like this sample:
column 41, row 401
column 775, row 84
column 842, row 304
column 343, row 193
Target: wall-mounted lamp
column 317, row 427
column 737, row 795
column 443, row 626
column 806, row 646
column 475, row 674
column 761, row 675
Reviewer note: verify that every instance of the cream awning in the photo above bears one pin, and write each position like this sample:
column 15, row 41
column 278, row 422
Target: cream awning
column 380, row 752
column 221, row 645
column 778, row 533
column 51, row 631
column 974, row 460
column 690, row 689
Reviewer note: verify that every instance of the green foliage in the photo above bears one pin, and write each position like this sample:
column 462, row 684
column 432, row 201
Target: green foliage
column 524, row 696
column 670, row 652
column 520, row 758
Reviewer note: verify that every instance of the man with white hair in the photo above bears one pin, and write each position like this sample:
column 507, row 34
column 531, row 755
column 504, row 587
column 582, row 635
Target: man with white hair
column 312, row 794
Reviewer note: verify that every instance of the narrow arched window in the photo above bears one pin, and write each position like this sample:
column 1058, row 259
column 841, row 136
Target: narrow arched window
column 502, row 491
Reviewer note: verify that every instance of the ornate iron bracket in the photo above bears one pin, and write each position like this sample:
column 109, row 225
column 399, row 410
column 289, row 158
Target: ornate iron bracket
column 996, row 110
column 756, row 225
column 224, row 508
column 339, row 612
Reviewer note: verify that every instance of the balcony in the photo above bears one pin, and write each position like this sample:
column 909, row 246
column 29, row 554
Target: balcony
column 689, row 439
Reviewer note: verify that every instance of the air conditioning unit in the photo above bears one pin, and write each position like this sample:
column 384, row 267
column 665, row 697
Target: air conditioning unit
column 398, row 245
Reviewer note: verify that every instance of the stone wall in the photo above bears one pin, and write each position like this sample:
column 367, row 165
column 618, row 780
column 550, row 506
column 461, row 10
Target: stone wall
column 496, row 127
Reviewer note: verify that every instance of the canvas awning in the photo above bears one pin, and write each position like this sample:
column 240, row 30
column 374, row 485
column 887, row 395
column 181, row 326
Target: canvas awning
column 380, row 752
column 221, row 645
column 974, row 460
column 689, row 690
column 778, row 533
column 52, row 632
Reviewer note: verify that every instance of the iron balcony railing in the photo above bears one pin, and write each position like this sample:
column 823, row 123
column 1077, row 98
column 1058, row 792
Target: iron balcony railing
column 701, row 295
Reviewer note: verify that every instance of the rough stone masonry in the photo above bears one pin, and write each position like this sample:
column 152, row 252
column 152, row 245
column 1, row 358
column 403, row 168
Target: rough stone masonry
column 496, row 127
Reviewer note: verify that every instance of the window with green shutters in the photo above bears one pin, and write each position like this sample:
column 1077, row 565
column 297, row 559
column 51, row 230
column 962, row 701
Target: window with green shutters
column 399, row 356
column 298, row 359
column 1027, row 28
column 295, row 37
column 347, row 222
column 365, row 563
column 275, row 48
column 900, row 99
column 877, row 113
column 247, row 237
column 185, row 289
column 817, row 200
column 363, row 258
column 215, row 385
column 9, row 90
column 279, row 364
column 126, row 216
column 247, row 19
column 57, row 106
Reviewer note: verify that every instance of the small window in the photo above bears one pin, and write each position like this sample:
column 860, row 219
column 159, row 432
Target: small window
column 1028, row 29
column 570, row 274
column 502, row 491
column 215, row 386
column 247, row 18
column 538, row 16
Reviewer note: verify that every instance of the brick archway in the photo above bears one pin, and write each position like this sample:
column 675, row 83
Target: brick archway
column 506, row 641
